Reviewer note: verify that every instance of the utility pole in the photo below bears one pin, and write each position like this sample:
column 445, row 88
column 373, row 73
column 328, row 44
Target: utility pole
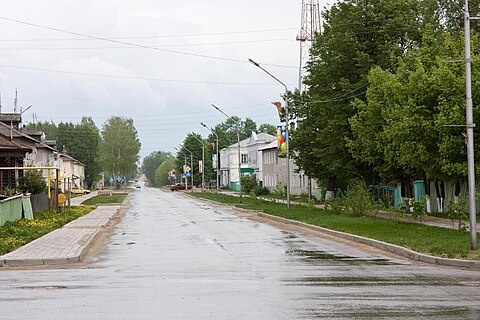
column 238, row 147
column 203, row 160
column 287, row 126
column 470, row 125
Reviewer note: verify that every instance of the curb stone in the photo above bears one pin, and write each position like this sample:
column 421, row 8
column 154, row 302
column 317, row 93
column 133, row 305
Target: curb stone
column 70, row 257
column 388, row 247
column 398, row 250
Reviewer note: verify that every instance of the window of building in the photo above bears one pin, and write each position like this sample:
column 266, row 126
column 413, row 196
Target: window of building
column 244, row 157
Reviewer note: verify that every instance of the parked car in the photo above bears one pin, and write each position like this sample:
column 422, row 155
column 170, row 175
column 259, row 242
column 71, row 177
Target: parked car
column 179, row 186
column 80, row 191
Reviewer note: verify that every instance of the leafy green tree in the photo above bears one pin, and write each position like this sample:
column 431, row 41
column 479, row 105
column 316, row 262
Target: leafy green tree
column 227, row 131
column 357, row 35
column 269, row 128
column 409, row 125
column 192, row 144
column 49, row 128
column 81, row 141
column 151, row 163
column 120, row 147
column 162, row 173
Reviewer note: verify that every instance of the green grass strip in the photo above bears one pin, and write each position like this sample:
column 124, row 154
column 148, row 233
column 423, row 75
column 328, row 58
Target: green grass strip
column 435, row 241
column 106, row 199
column 16, row 234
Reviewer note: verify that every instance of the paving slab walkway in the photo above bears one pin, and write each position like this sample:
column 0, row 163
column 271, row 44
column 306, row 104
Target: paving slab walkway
column 64, row 245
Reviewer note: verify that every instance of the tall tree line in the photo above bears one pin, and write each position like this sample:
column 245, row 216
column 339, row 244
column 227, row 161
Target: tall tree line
column 381, row 93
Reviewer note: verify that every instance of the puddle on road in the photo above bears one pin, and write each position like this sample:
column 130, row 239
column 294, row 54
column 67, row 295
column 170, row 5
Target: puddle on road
column 375, row 312
column 320, row 257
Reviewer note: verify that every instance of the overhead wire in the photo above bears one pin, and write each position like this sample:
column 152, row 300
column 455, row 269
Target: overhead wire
column 135, row 78
column 136, row 44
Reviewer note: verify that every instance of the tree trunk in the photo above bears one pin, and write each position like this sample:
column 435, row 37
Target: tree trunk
column 332, row 180
column 437, row 191
column 427, row 193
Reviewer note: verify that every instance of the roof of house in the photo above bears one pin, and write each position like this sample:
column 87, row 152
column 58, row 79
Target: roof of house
column 261, row 137
column 64, row 155
column 10, row 117
column 6, row 131
column 271, row 145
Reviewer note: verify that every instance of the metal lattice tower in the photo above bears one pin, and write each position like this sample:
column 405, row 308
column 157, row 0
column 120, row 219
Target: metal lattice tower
column 310, row 26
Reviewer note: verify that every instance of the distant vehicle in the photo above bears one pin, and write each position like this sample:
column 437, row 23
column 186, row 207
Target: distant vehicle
column 179, row 186
column 79, row 191
column 136, row 185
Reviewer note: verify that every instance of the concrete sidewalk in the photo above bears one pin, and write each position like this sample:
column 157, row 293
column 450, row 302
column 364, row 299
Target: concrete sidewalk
column 65, row 245
column 78, row 200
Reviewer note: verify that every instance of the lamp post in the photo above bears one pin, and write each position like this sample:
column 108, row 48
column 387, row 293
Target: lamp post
column 216, row 157
column 287, row 129
column 470, row 125
column 239, row 157
column 203, row 161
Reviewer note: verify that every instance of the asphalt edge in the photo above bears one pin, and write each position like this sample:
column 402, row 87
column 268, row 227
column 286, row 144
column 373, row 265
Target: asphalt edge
column 388, row 247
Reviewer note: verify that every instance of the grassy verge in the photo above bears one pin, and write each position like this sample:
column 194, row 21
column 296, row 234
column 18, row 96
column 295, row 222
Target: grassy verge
column 426, row 239
column 18, row 233
column 106, row 199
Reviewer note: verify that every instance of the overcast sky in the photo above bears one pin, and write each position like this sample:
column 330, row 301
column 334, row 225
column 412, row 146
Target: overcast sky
column 167, row 91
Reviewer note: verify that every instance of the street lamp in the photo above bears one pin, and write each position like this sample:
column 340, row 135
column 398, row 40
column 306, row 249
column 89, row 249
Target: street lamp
column 239, row 157
column 216, row 136
column 203, row 161
column 287, row 130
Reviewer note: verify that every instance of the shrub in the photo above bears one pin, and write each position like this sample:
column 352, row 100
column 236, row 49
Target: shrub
column 261, row 191
column 248, row 183
column 358, row 200
column 32, row 181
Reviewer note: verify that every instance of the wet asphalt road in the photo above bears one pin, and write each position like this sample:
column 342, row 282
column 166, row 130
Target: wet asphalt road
column 176, row 258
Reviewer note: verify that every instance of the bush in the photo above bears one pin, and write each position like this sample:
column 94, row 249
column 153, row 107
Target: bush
column 261, row 191
column 359, row 200
column 32, row 181
column 248, row 183
column 280, row 191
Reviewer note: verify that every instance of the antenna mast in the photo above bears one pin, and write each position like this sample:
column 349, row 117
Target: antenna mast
column 15, row 101
column 309, row 28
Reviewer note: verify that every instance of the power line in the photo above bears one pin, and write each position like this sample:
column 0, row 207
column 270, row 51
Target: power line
column 135, row 44
column 130, row 47
column 134, row 78
column 152, row 36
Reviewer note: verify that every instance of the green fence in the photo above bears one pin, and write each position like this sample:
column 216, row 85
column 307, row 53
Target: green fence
column 15, row 208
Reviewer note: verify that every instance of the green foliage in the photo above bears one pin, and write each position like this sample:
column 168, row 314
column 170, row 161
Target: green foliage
column 270, row 128
column 151, row 163
column 252, row 186
column 458, row 211
column 258, row 190
column 227, row 131
column 80, row 141
column 119, row 147
column 358, row 201
column 280, row 191
column 49, row 128
column 249, row 182
column 32, row 182
column 161, row 174
column 193, row 143
column 413, row 207
column 356, row 37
